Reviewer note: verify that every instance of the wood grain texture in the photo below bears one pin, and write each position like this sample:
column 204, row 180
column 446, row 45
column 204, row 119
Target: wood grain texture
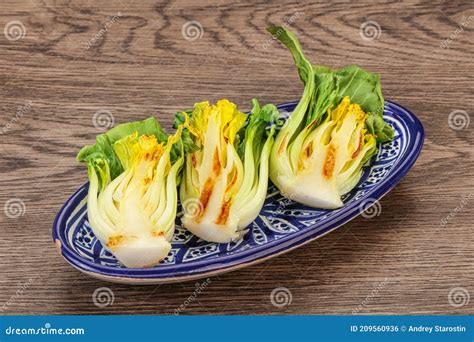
column 401, row 262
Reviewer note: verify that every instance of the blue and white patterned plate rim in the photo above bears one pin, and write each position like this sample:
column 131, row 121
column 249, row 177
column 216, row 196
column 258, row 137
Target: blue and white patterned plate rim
column 221, row 264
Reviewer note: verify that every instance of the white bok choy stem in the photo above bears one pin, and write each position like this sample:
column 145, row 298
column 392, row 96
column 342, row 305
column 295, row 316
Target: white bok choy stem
column 332, row 133
column 226, row 176
column 133, row 215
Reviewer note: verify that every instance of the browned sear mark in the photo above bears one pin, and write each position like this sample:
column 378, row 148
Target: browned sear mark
column 223, row 213
column 282, row 146
column 114, row 241
column 216, row 166
column 357, row 151
column 158, row 234
column 329, row 162
column 311, row 125
column 308, row 151
column 209, row 185
column 156, row 154
column 232, row 181
column 205, row 196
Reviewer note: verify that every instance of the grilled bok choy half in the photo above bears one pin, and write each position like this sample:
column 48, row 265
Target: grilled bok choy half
column 226, row 173
column 132, row 199
column 332, row 133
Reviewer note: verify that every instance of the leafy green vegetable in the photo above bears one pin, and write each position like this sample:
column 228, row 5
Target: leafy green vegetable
column 226, row 174
column 103, row 148
column 332, row 133
column 132, row 198
column 362, row 87
column 186, row 139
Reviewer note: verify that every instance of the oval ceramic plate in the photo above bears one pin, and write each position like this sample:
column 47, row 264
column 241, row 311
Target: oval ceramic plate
column 282, row 224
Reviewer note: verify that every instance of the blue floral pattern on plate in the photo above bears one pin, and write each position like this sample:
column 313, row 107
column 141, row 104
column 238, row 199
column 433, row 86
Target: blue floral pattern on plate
column 281, row 225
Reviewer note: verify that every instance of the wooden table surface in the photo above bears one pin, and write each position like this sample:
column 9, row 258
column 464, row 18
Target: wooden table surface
column 62, row 62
